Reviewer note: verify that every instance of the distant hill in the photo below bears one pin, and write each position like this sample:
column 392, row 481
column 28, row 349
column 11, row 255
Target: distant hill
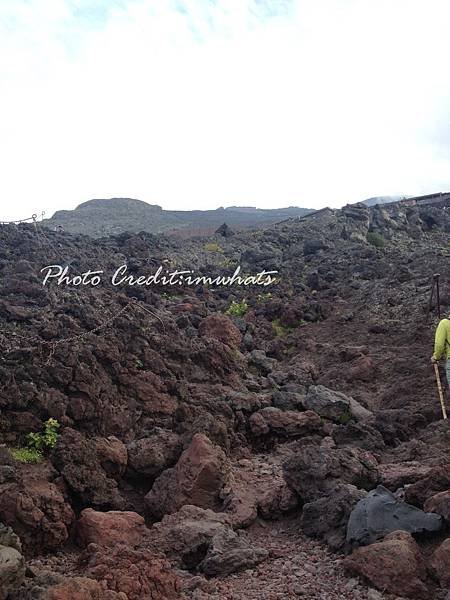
column 382, row 200
column 103, row 217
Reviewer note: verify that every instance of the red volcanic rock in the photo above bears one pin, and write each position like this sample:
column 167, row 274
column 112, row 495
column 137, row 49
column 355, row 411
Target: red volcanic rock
column 197, row 479
column 438, row 480
column 79, row 588
column 151, row 455
column 38, row 513
column 110, row 528
column 440, row 504
column 362, row 369
column 221, row 328
column 138, row 574
column 440, row 563
column 394, row 565
column 75, row 457
column 112, row 455
column 395, row 475
column 288, row 423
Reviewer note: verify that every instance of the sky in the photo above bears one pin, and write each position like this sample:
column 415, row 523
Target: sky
column 208, row 103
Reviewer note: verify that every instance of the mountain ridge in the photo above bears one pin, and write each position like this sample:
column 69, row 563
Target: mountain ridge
column 100, row 217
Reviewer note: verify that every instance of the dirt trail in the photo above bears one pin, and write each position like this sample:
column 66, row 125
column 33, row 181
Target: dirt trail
column 297, row 567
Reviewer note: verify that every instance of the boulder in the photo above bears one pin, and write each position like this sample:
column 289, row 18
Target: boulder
column 257, row 487
column 289, row 399
column 327, row 517
column 440, row 504
column 288, row 423
column 278, row 499
column 222, row 328
column 359, row 412
column 75, row 457
column 393, row 565
column 12, row 563
column 438, row 480
column 198, row 539
column 439, row 563
column 380, row 513
column 110, row 528
column 197, row 478
column 230, row 552
column 397, row 475
column 150, row 456
column 313, row 471
column 328, row 403
column 37, row 511
column 136, row 573
column 263, row 363
column 358, row 434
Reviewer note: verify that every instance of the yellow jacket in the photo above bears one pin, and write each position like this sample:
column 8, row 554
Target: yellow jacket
column 442, row 340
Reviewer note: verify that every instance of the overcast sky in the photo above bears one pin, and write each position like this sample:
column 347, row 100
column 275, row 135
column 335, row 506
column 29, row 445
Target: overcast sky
column 208, row 103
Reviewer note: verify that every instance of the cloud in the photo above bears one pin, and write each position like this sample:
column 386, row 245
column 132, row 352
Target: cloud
column 203, row 103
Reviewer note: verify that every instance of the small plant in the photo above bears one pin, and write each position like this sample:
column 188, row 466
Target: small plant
column 213, row 247
column 263, row 298
column 375, row 239
column 26, row 455
column 226, row 263
column 279, row 329
column 138, row 364
column 47, row 438
column 237, row 309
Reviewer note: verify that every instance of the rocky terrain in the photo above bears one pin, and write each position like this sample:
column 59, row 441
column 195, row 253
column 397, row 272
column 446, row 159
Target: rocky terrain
column 229, row 443
column 103, row 217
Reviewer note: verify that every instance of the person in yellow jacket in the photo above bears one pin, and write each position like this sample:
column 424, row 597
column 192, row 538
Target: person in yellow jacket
column 442, row 345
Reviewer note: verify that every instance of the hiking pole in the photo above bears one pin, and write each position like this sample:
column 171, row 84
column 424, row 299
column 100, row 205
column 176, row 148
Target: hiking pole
column 441, row 395
column 438, row 301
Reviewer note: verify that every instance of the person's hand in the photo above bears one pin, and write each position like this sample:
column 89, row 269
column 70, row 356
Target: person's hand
column 433, row 360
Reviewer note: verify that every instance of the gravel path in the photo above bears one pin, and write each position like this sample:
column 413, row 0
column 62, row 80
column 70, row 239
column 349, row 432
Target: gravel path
column 297, row 568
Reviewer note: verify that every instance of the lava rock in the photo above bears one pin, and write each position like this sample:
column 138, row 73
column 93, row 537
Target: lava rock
column 197, row 478
column 110, row 528
column 328, row 403
column 12, row 563
column 289, row 423
column 380, row 513
column 150, row 456
column 313, row 471
column 394, row 565
column 220, row 327
column 440, row 563
column 327, row 517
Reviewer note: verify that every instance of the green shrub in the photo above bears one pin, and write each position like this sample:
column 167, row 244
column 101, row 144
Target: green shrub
column 213, row 247
column 281, row 329
column 47, row 438
column 375, row 239
column 237, row 309
column 26, row 455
